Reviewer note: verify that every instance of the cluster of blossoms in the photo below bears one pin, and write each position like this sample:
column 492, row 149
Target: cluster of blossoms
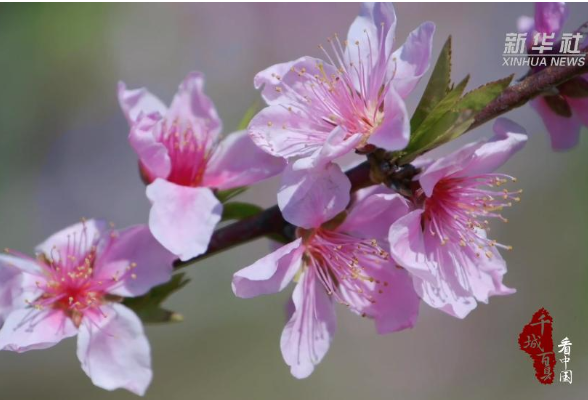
column 375, row 251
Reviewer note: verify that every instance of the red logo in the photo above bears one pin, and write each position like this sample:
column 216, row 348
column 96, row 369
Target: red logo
column 536, row 340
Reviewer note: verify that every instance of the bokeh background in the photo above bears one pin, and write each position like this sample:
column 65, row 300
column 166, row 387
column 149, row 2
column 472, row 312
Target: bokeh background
column 64, row 155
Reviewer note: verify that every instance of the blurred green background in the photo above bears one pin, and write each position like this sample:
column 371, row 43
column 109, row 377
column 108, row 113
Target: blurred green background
column 64, row 155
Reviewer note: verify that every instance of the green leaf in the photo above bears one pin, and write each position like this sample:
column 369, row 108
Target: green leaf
column 225, row 195
column 437, row 120
column 239, row 210
column 437, row 88
column 451, row 117
column 148, row 306
column 444, row 112
column 479, row 98
column 455, row 127
column 248, row 116
column 452, row 125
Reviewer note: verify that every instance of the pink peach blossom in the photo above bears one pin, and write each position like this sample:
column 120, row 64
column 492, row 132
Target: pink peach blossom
column 320, row 110
column 183, row 162
column 74, row 287
column 565, row 111
column 342, row 261
column 442, row 242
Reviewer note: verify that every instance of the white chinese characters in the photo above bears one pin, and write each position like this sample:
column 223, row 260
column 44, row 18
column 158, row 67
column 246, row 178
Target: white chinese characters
column 565, row 347
column 543, row 49
column 515, row 43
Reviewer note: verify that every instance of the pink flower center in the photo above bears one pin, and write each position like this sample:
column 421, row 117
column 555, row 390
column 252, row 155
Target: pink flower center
column 189, row 148
column 69, row 282
column 459, row 209
column 340, row 260
column 351, row 97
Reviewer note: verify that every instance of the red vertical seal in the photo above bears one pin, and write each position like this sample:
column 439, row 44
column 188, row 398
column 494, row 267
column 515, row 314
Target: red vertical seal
column 536, row 340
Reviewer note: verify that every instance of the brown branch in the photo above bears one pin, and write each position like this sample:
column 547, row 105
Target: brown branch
column 532, row 86
column 270, row 221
